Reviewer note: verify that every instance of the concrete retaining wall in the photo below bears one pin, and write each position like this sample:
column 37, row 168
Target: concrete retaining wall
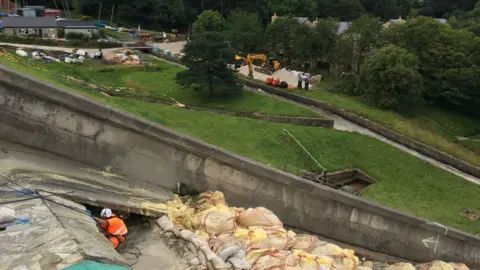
column 301, row 121
column 52, row 119
column 377, row 128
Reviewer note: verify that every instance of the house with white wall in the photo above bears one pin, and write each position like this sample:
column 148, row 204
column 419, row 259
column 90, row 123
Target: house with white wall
column 44, row 27
column 87, row 28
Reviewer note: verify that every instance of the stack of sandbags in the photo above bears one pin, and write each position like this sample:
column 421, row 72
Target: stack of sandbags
column 239, row 239
column 259, row 216
column 229, row 258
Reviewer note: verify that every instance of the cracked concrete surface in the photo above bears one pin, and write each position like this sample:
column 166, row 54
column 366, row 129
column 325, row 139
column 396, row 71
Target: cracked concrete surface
column 74, row 236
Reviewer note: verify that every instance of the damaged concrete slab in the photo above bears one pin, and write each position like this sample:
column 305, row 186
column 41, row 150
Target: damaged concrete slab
column 22, row 167
column 39, row 170
column 50, row 233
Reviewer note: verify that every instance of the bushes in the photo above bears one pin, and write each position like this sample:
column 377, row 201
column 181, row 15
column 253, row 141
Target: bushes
column 50, row 42
column 76, row 36
column 391, row 79
column 449, row 61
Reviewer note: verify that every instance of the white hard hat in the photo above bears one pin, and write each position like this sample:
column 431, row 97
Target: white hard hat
column 106, row 212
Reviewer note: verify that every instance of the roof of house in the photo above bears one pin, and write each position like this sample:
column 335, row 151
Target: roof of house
column 441, row 20
column 301, row 19
column 343, row 26
column 76, row 24
column 29, row 22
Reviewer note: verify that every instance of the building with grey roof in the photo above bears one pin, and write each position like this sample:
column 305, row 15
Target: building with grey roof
column 87, row 28
column 45, row 27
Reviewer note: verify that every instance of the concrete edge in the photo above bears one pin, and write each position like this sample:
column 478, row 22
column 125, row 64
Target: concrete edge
column 158, row 132
column 378, row 128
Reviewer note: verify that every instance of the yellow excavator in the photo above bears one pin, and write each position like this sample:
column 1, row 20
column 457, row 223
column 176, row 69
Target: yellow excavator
column 266, row 67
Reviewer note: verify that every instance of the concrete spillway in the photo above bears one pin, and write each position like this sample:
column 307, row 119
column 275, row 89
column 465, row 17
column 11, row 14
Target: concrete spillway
column 44, row 117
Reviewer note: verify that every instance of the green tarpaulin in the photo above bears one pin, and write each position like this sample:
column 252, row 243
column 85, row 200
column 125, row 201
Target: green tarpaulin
column 91, row 265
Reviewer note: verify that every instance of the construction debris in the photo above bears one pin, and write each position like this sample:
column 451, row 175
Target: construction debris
column 124, row 58
column 223, row 237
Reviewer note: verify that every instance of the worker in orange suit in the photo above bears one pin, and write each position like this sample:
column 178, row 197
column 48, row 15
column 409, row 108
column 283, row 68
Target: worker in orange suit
column 113, row 227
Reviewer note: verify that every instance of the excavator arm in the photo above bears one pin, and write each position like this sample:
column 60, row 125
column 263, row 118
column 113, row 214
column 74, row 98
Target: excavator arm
column 251, row 57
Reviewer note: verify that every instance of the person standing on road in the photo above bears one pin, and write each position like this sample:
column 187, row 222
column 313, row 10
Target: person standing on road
column 299, row 85
column 307, row 79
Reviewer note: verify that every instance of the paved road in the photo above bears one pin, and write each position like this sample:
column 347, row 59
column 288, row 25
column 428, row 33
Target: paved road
column 345, row 125
column 172, row 46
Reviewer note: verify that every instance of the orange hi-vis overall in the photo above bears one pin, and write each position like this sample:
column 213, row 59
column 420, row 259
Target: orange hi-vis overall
column 116, row 230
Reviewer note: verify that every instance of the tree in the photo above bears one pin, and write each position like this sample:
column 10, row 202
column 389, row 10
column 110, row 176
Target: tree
column 170, row 13
column 390, row 79
column 208, row 21
column 365, row 32
column 244, row 31
column 345, row 10
column 449, row 59
column 317, row 43
column 470, row 21
column 206, row 57
column 283, row 37
column 297, row 8
column 392, row 9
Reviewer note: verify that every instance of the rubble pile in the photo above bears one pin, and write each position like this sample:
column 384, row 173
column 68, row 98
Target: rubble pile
column 223, row 237
column 77, row 56
column 124, row 58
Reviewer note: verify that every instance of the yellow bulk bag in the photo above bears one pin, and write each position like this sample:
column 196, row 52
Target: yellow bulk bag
column 222, row 241
column 217, row 220
column 262, row 259
column 459, row 266
column 306, row 242
column 210, row 199
column 435, row 265
column 345, row 259
column 249, row 237
column 266, row 237
column 259, row 216
column 300, row 259
column 399, row 266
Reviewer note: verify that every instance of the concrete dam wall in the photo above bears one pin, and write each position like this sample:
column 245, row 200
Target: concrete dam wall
column 45, row 117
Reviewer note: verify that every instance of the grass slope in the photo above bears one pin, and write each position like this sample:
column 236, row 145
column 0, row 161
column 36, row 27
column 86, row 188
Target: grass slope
column 403, row 181
column 161, row 84
column 432, row 126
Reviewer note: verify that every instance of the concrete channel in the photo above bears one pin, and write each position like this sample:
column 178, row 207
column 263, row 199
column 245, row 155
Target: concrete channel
column 346, row 125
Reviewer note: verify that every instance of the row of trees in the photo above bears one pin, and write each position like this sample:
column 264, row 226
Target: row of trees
column 398, row 68
column 168, row 14
column 446, row 59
